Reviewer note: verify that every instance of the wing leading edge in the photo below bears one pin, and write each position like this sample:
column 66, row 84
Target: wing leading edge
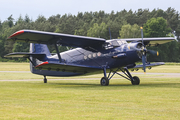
column 32, row 36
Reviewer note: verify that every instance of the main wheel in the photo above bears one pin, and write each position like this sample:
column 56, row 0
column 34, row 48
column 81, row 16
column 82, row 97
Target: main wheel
column 104, row 81
column 135, row 80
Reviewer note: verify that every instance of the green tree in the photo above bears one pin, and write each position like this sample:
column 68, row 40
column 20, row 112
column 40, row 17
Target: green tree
column 156, row 27
column 98, row 31
column 96, row 24
column 1, row 48
column 83, row 30
column 0, row 25
column 115, row 27
column 128, row 31
column 10, row 21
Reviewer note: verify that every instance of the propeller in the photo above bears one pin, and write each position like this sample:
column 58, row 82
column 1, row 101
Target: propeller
column 144, row 51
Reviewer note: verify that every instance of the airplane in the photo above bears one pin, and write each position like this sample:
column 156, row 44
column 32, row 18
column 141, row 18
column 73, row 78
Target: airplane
column 90, row 55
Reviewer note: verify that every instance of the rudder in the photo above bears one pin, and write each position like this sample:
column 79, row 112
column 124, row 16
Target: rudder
column 39, row 48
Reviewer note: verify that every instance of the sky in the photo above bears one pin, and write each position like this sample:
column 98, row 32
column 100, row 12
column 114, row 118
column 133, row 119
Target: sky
column 47, row 8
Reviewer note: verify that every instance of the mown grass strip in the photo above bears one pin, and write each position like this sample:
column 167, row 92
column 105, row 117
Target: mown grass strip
column 157, row 97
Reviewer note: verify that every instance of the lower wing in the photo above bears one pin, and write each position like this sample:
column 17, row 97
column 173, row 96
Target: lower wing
column 149, row 66
column 67, row 67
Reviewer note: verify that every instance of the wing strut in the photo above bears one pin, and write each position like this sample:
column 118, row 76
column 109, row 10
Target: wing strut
column 59, row 56
column 31, row 61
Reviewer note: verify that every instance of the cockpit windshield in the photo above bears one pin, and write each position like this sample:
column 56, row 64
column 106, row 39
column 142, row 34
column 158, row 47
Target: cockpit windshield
column 114, row 43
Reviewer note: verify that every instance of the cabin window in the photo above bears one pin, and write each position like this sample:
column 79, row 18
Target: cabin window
column 114, row 43
column 85, row 57
column 89, row 56
column 94, row 54
column 98, row 54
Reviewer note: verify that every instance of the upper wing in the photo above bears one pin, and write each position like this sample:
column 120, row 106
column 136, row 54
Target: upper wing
column 151, row 41
column 32, row 36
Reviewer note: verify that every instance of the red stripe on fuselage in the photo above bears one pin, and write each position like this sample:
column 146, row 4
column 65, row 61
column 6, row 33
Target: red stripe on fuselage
column 16, row 33
column 44, row 63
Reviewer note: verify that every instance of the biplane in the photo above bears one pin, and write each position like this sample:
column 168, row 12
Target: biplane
column 89, row 55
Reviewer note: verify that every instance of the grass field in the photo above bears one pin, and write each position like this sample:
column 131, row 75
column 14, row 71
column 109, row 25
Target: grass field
column 157, row 97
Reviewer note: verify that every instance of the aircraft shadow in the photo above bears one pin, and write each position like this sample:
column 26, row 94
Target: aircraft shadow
column 80, row 85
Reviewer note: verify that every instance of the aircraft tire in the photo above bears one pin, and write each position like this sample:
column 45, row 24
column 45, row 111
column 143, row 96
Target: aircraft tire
column 45, row 80
column 104, row 81
column 135, row 81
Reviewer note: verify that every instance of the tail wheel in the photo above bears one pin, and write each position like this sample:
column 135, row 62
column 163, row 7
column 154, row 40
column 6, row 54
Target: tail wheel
column 104, row 81
column 135, row 80
column 45, row 80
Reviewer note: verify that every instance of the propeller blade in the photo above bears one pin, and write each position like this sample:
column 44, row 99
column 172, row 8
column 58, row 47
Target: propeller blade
column 142, row 35
column 144, row 62
column 153, row 52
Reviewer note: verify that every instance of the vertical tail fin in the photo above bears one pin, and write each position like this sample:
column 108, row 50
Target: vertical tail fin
column 39, row 48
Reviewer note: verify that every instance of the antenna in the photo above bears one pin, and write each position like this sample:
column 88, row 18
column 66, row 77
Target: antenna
column 110, row 33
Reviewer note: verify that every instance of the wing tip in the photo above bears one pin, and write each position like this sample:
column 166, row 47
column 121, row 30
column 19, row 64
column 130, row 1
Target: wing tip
column 16, row 34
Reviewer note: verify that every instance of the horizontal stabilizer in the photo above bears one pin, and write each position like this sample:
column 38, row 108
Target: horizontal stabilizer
column 25, row 55
column 67, row 67
column 149, row 66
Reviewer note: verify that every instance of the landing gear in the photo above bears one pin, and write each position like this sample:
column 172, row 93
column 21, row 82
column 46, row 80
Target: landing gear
column 135, row 80
column 45, row 80
column 104, row 81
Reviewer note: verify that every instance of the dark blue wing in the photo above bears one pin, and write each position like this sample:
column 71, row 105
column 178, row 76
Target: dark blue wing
column 67, row 67
column 32, row 36
column 25, row 55
column 149, row 66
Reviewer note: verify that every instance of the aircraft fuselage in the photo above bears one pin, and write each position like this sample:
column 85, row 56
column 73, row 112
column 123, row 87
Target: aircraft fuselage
column 110, row 57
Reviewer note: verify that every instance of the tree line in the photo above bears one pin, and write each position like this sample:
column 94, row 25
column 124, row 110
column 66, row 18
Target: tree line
column 122, row 24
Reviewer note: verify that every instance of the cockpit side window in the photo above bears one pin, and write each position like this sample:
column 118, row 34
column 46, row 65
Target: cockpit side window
column 115, row 43
column 124, row 42
column 121, row 42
